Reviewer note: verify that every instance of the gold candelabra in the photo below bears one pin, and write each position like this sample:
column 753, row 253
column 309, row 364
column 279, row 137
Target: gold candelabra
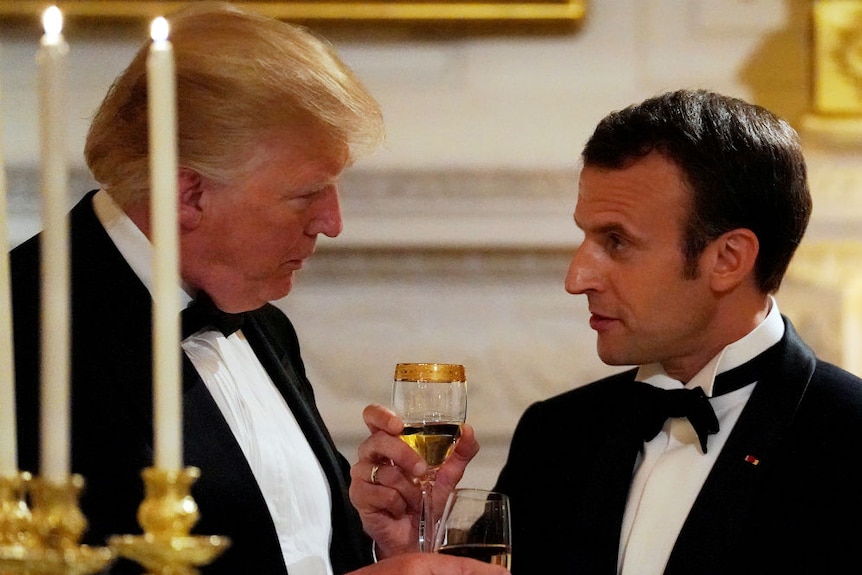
column 42, row 538
column 167, row 515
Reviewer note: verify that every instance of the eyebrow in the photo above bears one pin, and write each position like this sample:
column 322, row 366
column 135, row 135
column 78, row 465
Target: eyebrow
column 614, row 227
column 606, row 228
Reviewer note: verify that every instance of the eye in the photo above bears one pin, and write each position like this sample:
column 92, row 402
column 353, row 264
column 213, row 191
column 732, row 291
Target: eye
column 615, row 242
column 306, row 198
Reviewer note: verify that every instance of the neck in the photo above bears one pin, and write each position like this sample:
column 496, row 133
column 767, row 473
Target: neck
column 140, row 215
column 732, row 321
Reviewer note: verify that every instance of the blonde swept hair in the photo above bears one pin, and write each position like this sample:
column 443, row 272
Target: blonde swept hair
column 240, row 77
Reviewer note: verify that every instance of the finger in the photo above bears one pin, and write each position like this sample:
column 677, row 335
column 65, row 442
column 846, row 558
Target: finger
column 392, row 493
column 451, row 473
column 382, row 447
column 367, row 477
column 453, row 470
column 380, row 418
column 381, row 475
column 467, row 446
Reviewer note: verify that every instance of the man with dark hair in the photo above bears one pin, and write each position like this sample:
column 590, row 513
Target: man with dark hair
column 731, row 448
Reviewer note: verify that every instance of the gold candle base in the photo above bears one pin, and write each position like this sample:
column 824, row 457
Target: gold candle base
column 43, row 540
column 16, row 523
column 167, row 515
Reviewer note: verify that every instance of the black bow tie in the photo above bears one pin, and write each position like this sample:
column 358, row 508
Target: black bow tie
column 202, row 312
column 656, row 405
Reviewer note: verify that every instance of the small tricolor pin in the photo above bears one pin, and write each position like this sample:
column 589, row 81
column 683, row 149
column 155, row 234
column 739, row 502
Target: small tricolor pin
column 752, row 460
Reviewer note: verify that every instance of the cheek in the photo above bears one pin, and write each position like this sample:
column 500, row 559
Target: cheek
column 681, row 309
column 654, row 299
column 274, row 239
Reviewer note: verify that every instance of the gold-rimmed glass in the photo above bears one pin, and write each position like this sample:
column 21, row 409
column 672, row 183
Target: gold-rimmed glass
column 431, row 399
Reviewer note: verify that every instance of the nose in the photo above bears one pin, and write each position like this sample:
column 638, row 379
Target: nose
column 582, row 275
column 326, row 218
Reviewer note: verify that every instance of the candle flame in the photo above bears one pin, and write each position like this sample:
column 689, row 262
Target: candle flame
column 159, row 29
column 52, row 21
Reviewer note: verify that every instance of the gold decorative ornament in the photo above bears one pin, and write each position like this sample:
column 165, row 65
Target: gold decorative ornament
column 836, row 117
column 43, row 539
column 16, row 523
column 167, row 515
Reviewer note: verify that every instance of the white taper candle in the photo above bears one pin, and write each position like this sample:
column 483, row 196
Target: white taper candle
column 55, row 416
column 161, row 93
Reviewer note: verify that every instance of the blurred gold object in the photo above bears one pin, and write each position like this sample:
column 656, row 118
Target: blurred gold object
column 336, row 10
column 836, row 117
column 430, row 372
column 16, row 523
column 43, row 539
column 838, row 57
column 57, row 518
column 167, row 515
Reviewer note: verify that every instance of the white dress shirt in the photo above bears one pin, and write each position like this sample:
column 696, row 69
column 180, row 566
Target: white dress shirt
column 288, row 473
column 672, row 469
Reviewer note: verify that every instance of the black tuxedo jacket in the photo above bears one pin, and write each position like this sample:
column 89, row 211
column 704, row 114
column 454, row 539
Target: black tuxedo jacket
column 784, row 495
column 112, row 413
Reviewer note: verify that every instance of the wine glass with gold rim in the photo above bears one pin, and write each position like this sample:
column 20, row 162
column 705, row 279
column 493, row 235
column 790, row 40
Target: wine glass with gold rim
column 431, row 399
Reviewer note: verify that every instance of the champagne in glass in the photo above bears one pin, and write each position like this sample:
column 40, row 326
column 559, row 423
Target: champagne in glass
column 476, row 524
column 431, row 399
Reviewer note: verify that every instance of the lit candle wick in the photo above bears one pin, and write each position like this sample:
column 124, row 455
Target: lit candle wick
column 52, row 22
column 159, row 30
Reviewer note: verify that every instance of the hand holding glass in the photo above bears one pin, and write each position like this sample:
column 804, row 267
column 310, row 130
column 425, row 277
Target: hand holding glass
column 476, row 524
column 431, row 399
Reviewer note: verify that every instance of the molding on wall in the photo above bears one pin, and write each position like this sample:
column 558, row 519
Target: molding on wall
column 506, row 210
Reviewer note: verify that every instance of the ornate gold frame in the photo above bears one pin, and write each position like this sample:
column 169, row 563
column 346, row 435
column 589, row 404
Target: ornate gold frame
column 326, row 10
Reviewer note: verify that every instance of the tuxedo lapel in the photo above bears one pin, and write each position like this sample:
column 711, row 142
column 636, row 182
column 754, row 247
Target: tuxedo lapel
column 603, row 499
column 348, row 549
column 111, row 309
column 210, row 445
column 709, row 543
column 280, row 369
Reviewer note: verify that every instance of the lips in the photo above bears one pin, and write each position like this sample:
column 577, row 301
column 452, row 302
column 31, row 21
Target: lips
column 600, row 322
column 297, row 263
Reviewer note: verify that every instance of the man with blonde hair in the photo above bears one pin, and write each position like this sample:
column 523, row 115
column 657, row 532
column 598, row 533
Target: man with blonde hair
column 268, row 118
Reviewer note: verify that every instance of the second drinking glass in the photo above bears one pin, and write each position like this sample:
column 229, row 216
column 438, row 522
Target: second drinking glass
column 476, row 523
column 431, row 399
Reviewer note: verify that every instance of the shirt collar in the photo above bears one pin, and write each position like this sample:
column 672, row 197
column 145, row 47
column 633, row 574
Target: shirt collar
column 131, row 242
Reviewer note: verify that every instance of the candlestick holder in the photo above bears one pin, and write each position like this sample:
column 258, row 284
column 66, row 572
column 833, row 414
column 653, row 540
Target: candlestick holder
column 16, row 523
column 167, row 515
column 43, row 539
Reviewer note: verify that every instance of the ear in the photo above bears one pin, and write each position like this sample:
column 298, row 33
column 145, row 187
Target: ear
column 733, row 256
column 190, row 187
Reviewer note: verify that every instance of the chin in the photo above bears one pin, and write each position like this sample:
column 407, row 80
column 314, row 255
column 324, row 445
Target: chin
column 280, row 291
column 614, row 356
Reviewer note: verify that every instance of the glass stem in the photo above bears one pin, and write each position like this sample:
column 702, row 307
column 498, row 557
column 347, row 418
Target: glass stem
column 426, row 517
